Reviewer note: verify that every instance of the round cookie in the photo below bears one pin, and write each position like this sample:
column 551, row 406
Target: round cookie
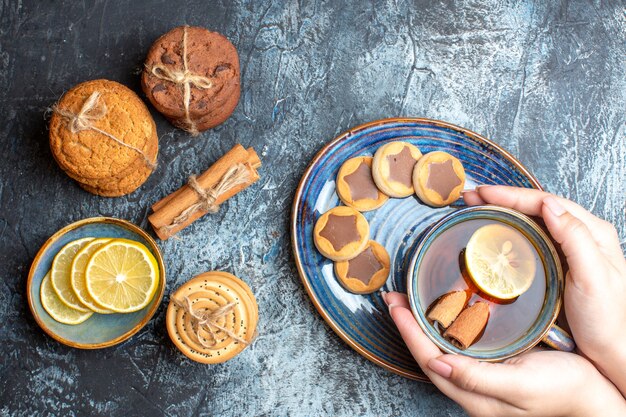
column 392, row 168
column 341, row 233
column 438, row 179
column 229, row 308
column 356, row 187
column 213, row 77
column 367, row 272
column 113, row 146
column 115, row 186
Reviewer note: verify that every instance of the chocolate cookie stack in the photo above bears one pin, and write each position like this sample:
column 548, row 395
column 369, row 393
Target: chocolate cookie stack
column 191, row 75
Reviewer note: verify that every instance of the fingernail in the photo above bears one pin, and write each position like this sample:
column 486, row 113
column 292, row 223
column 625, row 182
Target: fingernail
column 391, row 306
column 383, row 294
column 554, row 206
column 467, row 191
column 478, row 187
column 440, row 368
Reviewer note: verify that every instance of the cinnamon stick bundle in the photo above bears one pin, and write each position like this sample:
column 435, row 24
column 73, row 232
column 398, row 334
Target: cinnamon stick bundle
column 469, row 326
column 232, row 173
column 447, row 307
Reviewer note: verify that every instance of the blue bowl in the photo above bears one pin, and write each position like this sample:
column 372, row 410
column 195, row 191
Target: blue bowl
column 363, row 321
column 551, row 265
column 100, row 330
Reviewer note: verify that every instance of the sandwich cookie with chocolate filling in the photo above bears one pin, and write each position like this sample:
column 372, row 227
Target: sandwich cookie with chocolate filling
column 341, row 233
column 438, row 179
column 367, row 272
column 212, row 317
column 392, row 168
column 356, row 187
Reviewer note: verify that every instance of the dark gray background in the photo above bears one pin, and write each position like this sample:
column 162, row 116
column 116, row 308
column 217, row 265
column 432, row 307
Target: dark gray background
column 545, row 82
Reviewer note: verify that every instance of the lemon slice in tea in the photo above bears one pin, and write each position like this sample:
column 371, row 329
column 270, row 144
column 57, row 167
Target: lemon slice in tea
column 122, row 276
column 500, row 261
column 77, row 278
column 53, row 305
column 60, row 274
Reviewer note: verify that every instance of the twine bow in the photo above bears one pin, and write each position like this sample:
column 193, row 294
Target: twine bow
column 185, row 78
column 207, row 321
column 236, row 175
column 92, row 110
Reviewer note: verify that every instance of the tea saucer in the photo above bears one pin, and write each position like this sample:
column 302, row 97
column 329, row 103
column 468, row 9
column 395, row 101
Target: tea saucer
column 363, row 321
column 100, row 330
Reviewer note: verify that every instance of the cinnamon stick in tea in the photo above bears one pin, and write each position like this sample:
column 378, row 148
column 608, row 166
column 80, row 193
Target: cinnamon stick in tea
column 469, row 326
column 178, row 210
column 447, row 307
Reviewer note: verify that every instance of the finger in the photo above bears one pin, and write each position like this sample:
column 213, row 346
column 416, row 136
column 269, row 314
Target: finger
column 583, row 255
column 423, row 350
column 421, row 347
column 530, row 201
column 496, row 380
column 471, row 198
column 397, row 299
column 526, row 200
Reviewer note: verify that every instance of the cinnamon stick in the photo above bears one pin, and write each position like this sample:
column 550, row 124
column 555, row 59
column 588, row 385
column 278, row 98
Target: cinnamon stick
column 447, row 307
column 170, row 208
column 469, row 326
column 253, row 160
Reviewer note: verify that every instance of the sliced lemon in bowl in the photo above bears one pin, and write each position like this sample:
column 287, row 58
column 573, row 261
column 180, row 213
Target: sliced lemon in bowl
column 122, row 276
column 60, row 274
column 57, row 309
column 78, row 276
column 501, row 261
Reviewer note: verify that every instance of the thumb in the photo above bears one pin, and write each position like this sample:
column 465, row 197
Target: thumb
column 583, row 255
column 495, row 380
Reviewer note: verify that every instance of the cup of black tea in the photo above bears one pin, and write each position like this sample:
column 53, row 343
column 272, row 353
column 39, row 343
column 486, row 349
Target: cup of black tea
column 487, row 282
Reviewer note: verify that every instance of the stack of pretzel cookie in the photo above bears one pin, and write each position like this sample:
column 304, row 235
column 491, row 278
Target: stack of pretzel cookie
column 102, row 135
column 212, row 317
column 364, row 183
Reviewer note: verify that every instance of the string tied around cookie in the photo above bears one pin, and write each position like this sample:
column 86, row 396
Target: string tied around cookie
column 181, row 77
column 186, row 78
column 92, row 110
column 207, row 198
column 207, row 321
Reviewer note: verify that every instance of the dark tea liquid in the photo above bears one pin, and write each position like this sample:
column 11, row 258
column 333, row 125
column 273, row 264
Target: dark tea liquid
column 442, row 271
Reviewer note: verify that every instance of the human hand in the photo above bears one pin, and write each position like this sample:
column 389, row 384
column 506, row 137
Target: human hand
column 539, row 383
column 595, row 286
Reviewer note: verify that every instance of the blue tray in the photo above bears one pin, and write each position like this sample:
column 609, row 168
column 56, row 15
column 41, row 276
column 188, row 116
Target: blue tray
column 363, row 321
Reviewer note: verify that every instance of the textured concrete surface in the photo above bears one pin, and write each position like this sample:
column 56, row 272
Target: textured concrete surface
column 545, row 81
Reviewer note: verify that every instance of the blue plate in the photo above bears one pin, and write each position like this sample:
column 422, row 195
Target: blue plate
column 100, row 330
column 363, row 321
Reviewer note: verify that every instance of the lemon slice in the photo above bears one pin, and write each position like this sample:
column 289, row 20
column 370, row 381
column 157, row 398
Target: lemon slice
column 77, row 278
column 500, row 261
column 60, row 274
column 56, row 308
column 122, row 276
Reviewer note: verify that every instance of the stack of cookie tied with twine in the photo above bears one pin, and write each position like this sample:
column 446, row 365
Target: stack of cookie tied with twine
column 191, row 75
column 212, row 317
column 103, row 136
